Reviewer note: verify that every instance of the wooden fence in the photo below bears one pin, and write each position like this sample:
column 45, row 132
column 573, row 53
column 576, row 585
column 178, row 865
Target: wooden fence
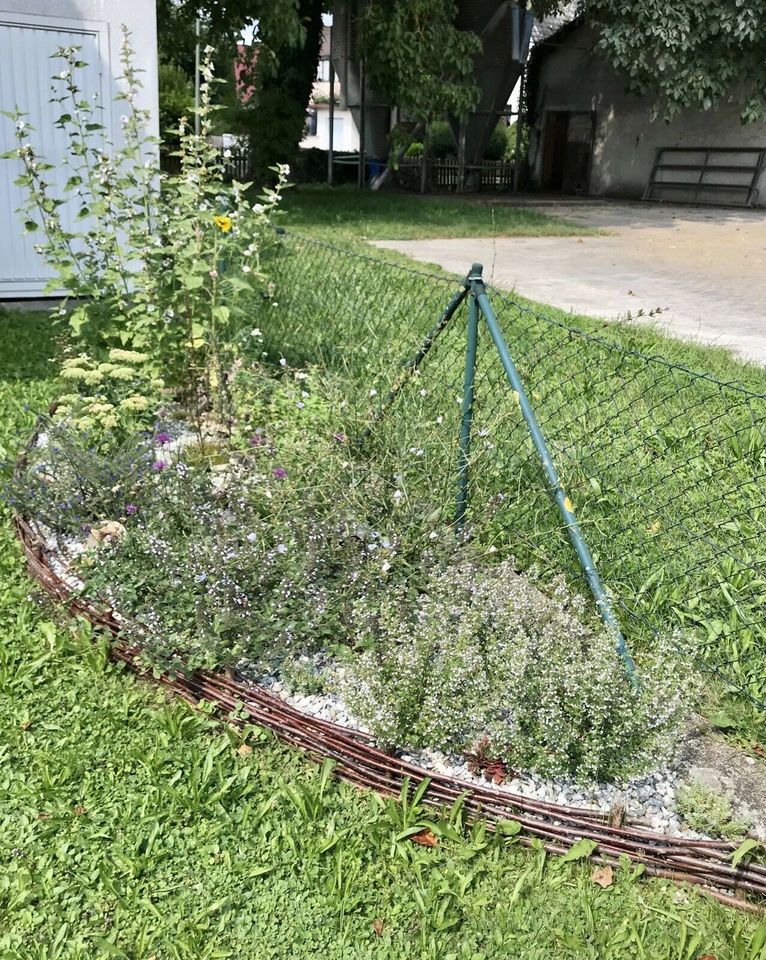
column 444, row 174
column 235, row 160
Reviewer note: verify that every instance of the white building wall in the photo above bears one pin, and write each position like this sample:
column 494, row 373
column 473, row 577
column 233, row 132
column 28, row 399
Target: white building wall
column 345, row 134
column 30, row 31
column 574, row 77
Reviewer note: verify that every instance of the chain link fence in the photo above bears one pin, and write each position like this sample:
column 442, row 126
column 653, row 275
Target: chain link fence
column 664, row 466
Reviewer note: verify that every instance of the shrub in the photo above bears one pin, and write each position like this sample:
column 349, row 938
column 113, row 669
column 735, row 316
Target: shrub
column 441, row 143
column 484, row 653
column 497, row 146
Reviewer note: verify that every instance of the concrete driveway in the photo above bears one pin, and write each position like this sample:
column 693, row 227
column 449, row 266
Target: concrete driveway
column 700, row 273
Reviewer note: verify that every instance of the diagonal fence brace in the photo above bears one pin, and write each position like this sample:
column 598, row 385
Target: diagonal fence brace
column 411, row 367
column 479, row 302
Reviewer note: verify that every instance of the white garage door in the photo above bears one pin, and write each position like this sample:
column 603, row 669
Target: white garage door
column 26, row 68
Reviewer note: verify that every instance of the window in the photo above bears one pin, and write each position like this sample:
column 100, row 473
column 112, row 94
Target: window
column 311, row 122
column 323, row 71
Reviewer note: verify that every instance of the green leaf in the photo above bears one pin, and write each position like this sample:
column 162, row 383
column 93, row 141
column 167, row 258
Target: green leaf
column 744, row 850
column 30, row 226
column 108, row 948
column 580, row 850
column 77, row 320
column 722, row 721
column 509, row 828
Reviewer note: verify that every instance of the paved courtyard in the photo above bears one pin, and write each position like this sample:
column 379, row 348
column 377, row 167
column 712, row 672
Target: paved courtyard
column 700, row 273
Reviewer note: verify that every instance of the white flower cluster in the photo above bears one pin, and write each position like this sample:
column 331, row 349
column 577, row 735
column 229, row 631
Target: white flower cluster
column 485, row 653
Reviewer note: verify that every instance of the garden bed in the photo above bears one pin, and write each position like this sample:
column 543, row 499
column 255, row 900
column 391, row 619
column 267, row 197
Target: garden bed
column 604, row 830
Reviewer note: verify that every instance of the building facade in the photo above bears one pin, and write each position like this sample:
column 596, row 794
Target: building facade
column 590, row 136
column 30, row 33
column 345, row 135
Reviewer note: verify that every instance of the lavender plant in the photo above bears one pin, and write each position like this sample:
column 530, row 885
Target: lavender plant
column 76, row 477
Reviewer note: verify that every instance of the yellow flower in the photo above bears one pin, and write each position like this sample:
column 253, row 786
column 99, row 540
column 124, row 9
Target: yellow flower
column 223, row 223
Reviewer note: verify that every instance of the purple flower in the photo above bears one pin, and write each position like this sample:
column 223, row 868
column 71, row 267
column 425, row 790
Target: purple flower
column 256, row 440
column 163, row 438
column 280, row 473
column 340, row 437
column 130, row 509
column 158, row 466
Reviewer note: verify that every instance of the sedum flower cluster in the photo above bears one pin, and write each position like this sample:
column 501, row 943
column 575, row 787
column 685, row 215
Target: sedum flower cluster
column 113, row 394
column 485, row 653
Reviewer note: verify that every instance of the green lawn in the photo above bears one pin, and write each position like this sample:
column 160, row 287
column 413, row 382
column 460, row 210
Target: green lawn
column 136, row 828
column 343, row 213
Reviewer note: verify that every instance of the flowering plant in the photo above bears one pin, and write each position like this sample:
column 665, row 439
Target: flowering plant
column 484, row 653
column 164, row 265
column 113, row 394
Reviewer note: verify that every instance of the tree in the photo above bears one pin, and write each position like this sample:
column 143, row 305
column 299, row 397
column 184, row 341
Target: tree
column 282, row 80
column 176, row 98
column 417, row 59
column 690, row 53
column 282, row 74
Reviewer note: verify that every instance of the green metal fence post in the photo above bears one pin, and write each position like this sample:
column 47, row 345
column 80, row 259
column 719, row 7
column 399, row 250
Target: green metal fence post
column 566, row 509
column 468, row 394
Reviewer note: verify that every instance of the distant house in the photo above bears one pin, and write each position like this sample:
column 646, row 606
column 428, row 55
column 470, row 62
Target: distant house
column 589, row 136
column 345, row 134
column 30, row 32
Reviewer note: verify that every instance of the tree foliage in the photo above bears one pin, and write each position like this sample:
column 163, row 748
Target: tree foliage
column 176, row 98
column 282, row 74
column 690, row 53
column 418, row 59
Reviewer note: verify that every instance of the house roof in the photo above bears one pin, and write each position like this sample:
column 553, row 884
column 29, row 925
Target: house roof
column 548, row 26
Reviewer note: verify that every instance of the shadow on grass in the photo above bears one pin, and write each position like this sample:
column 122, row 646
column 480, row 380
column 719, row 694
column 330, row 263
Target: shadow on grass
column 28, row 343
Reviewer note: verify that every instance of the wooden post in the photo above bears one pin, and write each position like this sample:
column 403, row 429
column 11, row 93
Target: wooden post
column 424, row 163
column 461, row 156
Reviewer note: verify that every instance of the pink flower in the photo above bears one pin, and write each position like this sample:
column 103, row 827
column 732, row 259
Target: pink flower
column 130, row 509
